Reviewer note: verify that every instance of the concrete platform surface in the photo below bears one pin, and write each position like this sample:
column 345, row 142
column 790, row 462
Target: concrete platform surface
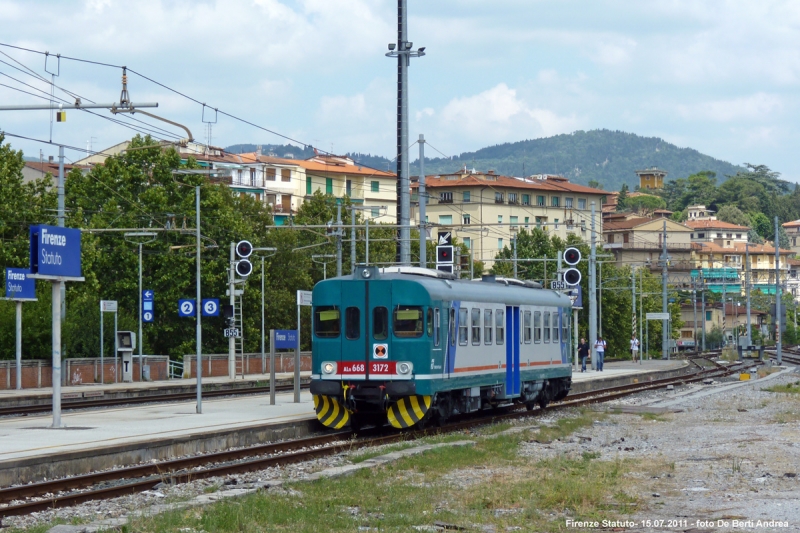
column 147, row 385
column 33, row 436
column 629, row 368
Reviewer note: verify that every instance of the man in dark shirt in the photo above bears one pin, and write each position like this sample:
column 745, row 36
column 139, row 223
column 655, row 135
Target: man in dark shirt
column 583, row 353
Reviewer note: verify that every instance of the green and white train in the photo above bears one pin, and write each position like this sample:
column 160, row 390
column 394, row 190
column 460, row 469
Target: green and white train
column 406, row 345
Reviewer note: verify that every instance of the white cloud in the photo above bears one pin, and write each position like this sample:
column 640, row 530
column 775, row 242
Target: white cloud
column 424, row 113
column 498, row 115
column 756, row 107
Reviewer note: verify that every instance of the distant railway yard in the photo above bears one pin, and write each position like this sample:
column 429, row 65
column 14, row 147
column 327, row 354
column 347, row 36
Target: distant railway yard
column 699, row 451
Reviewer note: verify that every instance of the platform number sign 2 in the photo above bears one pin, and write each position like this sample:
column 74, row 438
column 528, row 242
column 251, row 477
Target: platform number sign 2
column 186, row 308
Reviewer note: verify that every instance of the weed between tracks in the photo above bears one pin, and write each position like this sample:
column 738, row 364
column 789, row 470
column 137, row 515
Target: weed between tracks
column 489, row 483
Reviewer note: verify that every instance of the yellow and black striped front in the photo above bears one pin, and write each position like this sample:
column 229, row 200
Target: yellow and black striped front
column 330, row 412
column 408, row 411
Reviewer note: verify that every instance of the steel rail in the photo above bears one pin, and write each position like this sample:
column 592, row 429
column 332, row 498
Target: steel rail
column 176, row 471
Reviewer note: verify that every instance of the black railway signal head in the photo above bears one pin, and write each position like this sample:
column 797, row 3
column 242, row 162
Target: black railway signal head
column 572, row 256
column 244, row 249
column 243, row 268
column 572, row 276
column 444, row 254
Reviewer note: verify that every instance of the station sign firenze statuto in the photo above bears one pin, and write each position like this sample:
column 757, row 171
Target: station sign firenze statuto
column 55, row 251
column 285, row 339
column 18, row 285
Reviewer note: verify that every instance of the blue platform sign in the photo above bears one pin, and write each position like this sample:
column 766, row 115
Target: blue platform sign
column 285, row 339
column 55, row 251
column 210, row 307
column 19, row 285
column 186, row 308
column 148, row 312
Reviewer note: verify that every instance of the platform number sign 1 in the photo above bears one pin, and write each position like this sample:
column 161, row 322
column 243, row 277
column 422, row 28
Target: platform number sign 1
column 148, row 312
column 186, row 308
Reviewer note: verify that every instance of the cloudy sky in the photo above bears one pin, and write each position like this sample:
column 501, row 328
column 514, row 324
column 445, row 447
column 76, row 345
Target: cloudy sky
column 721, row 77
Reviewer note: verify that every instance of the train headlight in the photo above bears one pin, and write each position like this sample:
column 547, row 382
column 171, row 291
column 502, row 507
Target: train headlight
column 328, row 368
column 404, row 368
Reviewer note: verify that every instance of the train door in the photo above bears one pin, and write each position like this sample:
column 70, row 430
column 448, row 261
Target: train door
column 513, row 339
column 378, row 299
column 439, row 339
column 451, row 313
column 353, row 311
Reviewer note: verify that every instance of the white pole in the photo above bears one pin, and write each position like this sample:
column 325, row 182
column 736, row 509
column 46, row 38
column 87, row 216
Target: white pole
column 198, row 302
column 141, row 340
column 57, row 286
column 575, row 335
column 263, row 354
column 116, row 351
column 232, row 302
column 101, row 344
column 297, row 360
column 272, row 367
column 19, row 345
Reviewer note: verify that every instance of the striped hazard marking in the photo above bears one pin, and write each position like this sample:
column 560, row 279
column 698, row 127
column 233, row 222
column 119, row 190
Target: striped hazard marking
column 408, row 411
column 330, row 412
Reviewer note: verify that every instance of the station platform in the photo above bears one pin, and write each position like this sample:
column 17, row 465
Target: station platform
column 35, row 396
column 96, row 439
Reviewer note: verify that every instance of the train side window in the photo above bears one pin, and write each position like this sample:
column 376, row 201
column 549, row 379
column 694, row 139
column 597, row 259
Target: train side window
column 380, row 323
column 487, row 326
column 526, row 326
column 352, row 323
column 327, row 321
column 555, row 327
column 452, row 332
column 547, row 327
column 463, row 327
column 408, row 321
column 429, row 322
column 476, row 325
column 500, row 326
column 537, row 326
column 436, row 327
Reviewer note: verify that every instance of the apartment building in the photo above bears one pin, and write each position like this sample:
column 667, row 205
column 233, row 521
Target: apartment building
column 724, row 267
column 793, row 232
column 639, row 241
column 735, row 313
column 715, row 231
column 485, row 210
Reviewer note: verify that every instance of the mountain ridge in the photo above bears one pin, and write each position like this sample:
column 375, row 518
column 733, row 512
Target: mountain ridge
column 608, row 157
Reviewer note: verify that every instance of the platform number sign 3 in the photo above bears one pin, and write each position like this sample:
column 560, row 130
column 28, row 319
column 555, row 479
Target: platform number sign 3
column 380, row 351
column 210, row 307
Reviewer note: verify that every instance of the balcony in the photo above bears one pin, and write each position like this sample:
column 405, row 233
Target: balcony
column 675, row 246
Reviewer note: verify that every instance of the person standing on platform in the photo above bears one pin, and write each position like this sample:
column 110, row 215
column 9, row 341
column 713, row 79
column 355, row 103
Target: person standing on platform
column 583, row 353
column 600, row 349
column 634, row 347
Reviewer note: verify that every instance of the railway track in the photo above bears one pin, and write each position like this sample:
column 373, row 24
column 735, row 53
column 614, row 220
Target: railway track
column 71, row 491
column 156, row 398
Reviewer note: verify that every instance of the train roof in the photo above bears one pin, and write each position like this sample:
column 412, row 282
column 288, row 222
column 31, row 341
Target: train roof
column 444, row 286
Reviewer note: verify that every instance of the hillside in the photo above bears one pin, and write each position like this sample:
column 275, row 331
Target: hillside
column 608, row 157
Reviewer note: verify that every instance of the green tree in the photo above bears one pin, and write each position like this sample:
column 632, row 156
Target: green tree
column 700, row 189
column 622, row 198
column 733, row 215
column 762, row 225
column 645, row 205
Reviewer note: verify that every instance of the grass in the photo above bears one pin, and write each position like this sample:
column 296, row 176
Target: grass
column 565, row 427
column 488, row 483
column 789, row 388
column 652, row 417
